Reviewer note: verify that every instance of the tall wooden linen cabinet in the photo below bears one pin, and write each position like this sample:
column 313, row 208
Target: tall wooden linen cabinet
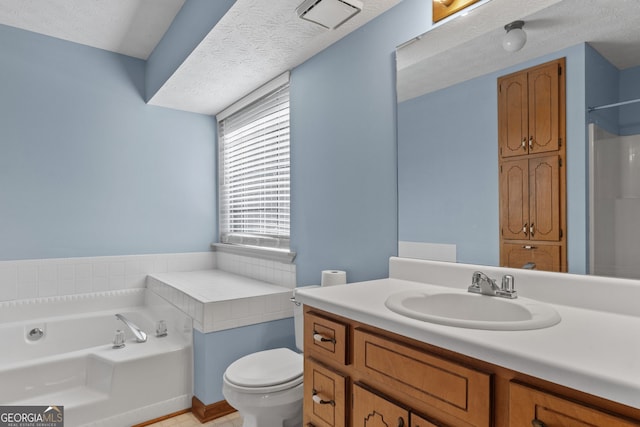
column 532, row 168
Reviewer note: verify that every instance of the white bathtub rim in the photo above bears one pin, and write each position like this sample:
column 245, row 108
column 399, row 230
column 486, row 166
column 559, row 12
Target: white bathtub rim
column 25, row 310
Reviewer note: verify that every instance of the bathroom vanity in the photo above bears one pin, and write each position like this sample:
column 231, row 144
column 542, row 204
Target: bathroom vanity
column 366, row 365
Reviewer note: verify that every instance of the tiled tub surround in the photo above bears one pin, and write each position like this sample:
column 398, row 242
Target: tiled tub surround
column 217, row 300
column 594, row 349
column 24, row 279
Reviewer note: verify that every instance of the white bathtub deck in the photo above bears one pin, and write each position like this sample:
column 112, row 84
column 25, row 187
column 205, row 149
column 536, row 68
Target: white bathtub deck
column 217, row 300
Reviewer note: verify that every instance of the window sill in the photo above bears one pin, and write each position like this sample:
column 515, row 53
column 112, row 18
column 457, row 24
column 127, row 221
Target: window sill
column 256, row 251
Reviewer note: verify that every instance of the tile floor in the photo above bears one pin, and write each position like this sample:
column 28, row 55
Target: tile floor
column 188, row 420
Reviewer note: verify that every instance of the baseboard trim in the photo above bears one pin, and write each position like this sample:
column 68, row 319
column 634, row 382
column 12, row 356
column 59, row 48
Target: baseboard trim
column 205, row 413
column 163, row 418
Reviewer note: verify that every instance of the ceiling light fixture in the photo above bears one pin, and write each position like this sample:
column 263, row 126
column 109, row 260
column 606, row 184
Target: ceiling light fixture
column 515, row 37
column 329, row 13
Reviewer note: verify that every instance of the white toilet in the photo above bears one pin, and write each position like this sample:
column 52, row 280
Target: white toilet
column 266, row 387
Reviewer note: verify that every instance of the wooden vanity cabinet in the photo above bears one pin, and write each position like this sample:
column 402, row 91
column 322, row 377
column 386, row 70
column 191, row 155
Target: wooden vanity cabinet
column 377, row 378
column 532, row 177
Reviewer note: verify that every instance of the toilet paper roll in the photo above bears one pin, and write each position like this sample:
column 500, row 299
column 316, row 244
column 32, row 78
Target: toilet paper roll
column 333, row 277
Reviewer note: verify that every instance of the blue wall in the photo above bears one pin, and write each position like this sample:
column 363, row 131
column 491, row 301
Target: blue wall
column 602, row 86
column 214, row 352
column 343, row 150
column 448, row 172
column 86, row 167
column 630, row 89
column 605, row 84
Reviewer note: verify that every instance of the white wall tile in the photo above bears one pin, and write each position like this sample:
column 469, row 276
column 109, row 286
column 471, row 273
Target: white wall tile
column 47, row 288
column 69, row 276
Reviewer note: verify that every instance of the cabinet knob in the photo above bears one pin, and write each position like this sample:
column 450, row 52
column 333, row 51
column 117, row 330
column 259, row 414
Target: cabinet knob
column 321, row 338
column 537, row 423
column 531, row 142
column 531, row 230
column 525, row 228
column 524, row 143
column 317, row 399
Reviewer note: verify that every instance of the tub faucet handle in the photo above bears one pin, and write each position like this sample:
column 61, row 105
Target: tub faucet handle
column 118, row 339
column 161, row 329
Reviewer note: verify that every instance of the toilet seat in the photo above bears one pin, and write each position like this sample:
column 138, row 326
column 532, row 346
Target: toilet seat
column 266, row 371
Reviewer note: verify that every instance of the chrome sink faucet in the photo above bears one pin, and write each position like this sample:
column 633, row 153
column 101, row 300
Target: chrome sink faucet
column 483, row 284
column 140, row 335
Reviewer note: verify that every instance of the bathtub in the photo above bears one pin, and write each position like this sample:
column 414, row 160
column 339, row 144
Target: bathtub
column 72, row 362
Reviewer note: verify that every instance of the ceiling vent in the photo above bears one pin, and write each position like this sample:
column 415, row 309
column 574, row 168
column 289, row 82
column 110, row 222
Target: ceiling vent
column 329, row 13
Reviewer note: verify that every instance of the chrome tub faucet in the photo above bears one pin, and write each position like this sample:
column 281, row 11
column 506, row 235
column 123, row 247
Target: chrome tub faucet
column 140, row 335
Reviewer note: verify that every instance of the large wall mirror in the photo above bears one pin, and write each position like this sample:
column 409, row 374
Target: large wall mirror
column 447, row 130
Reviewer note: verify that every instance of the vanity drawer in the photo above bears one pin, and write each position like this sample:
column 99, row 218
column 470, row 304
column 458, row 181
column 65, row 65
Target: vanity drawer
column 326, row 337
column 532, row 407
column 454, row 389
column 325, row 396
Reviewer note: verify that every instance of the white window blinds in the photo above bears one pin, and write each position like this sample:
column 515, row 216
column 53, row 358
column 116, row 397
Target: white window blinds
column 254, row 193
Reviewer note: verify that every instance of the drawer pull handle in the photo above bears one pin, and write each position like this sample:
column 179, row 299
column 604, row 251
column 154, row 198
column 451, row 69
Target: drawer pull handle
column 321, row 338
column 537, row 423
column 317, row 399
column 400, row 422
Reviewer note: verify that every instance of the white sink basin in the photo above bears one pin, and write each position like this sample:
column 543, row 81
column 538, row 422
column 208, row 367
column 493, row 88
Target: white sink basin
column 467, row 310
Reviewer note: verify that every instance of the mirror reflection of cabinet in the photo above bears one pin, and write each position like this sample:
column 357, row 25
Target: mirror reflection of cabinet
column 531, row 127
column 529, row 111
column 531, row 204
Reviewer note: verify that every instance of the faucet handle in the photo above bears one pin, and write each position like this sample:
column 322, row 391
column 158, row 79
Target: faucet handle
column 508, row 287
column 508, row 283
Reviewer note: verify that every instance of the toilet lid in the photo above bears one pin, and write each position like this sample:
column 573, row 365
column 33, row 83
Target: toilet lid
column 265, row 368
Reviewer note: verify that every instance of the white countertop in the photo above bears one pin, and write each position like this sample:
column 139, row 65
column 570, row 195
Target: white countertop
column 597, row 352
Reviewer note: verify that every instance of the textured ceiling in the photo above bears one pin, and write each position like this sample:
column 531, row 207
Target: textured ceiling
column 130, row 27
column 254, row 42
column 471, row 46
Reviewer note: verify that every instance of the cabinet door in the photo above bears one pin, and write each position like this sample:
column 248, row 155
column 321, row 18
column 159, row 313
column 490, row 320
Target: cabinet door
column 325, row 396
column 531, row 407
column 544, row 108
column 540, row 257
column 544, row 198
column 514, row 199
column 372, row 410
column 513, row 116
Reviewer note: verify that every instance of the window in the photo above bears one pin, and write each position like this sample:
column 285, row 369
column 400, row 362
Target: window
column 254, row 194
